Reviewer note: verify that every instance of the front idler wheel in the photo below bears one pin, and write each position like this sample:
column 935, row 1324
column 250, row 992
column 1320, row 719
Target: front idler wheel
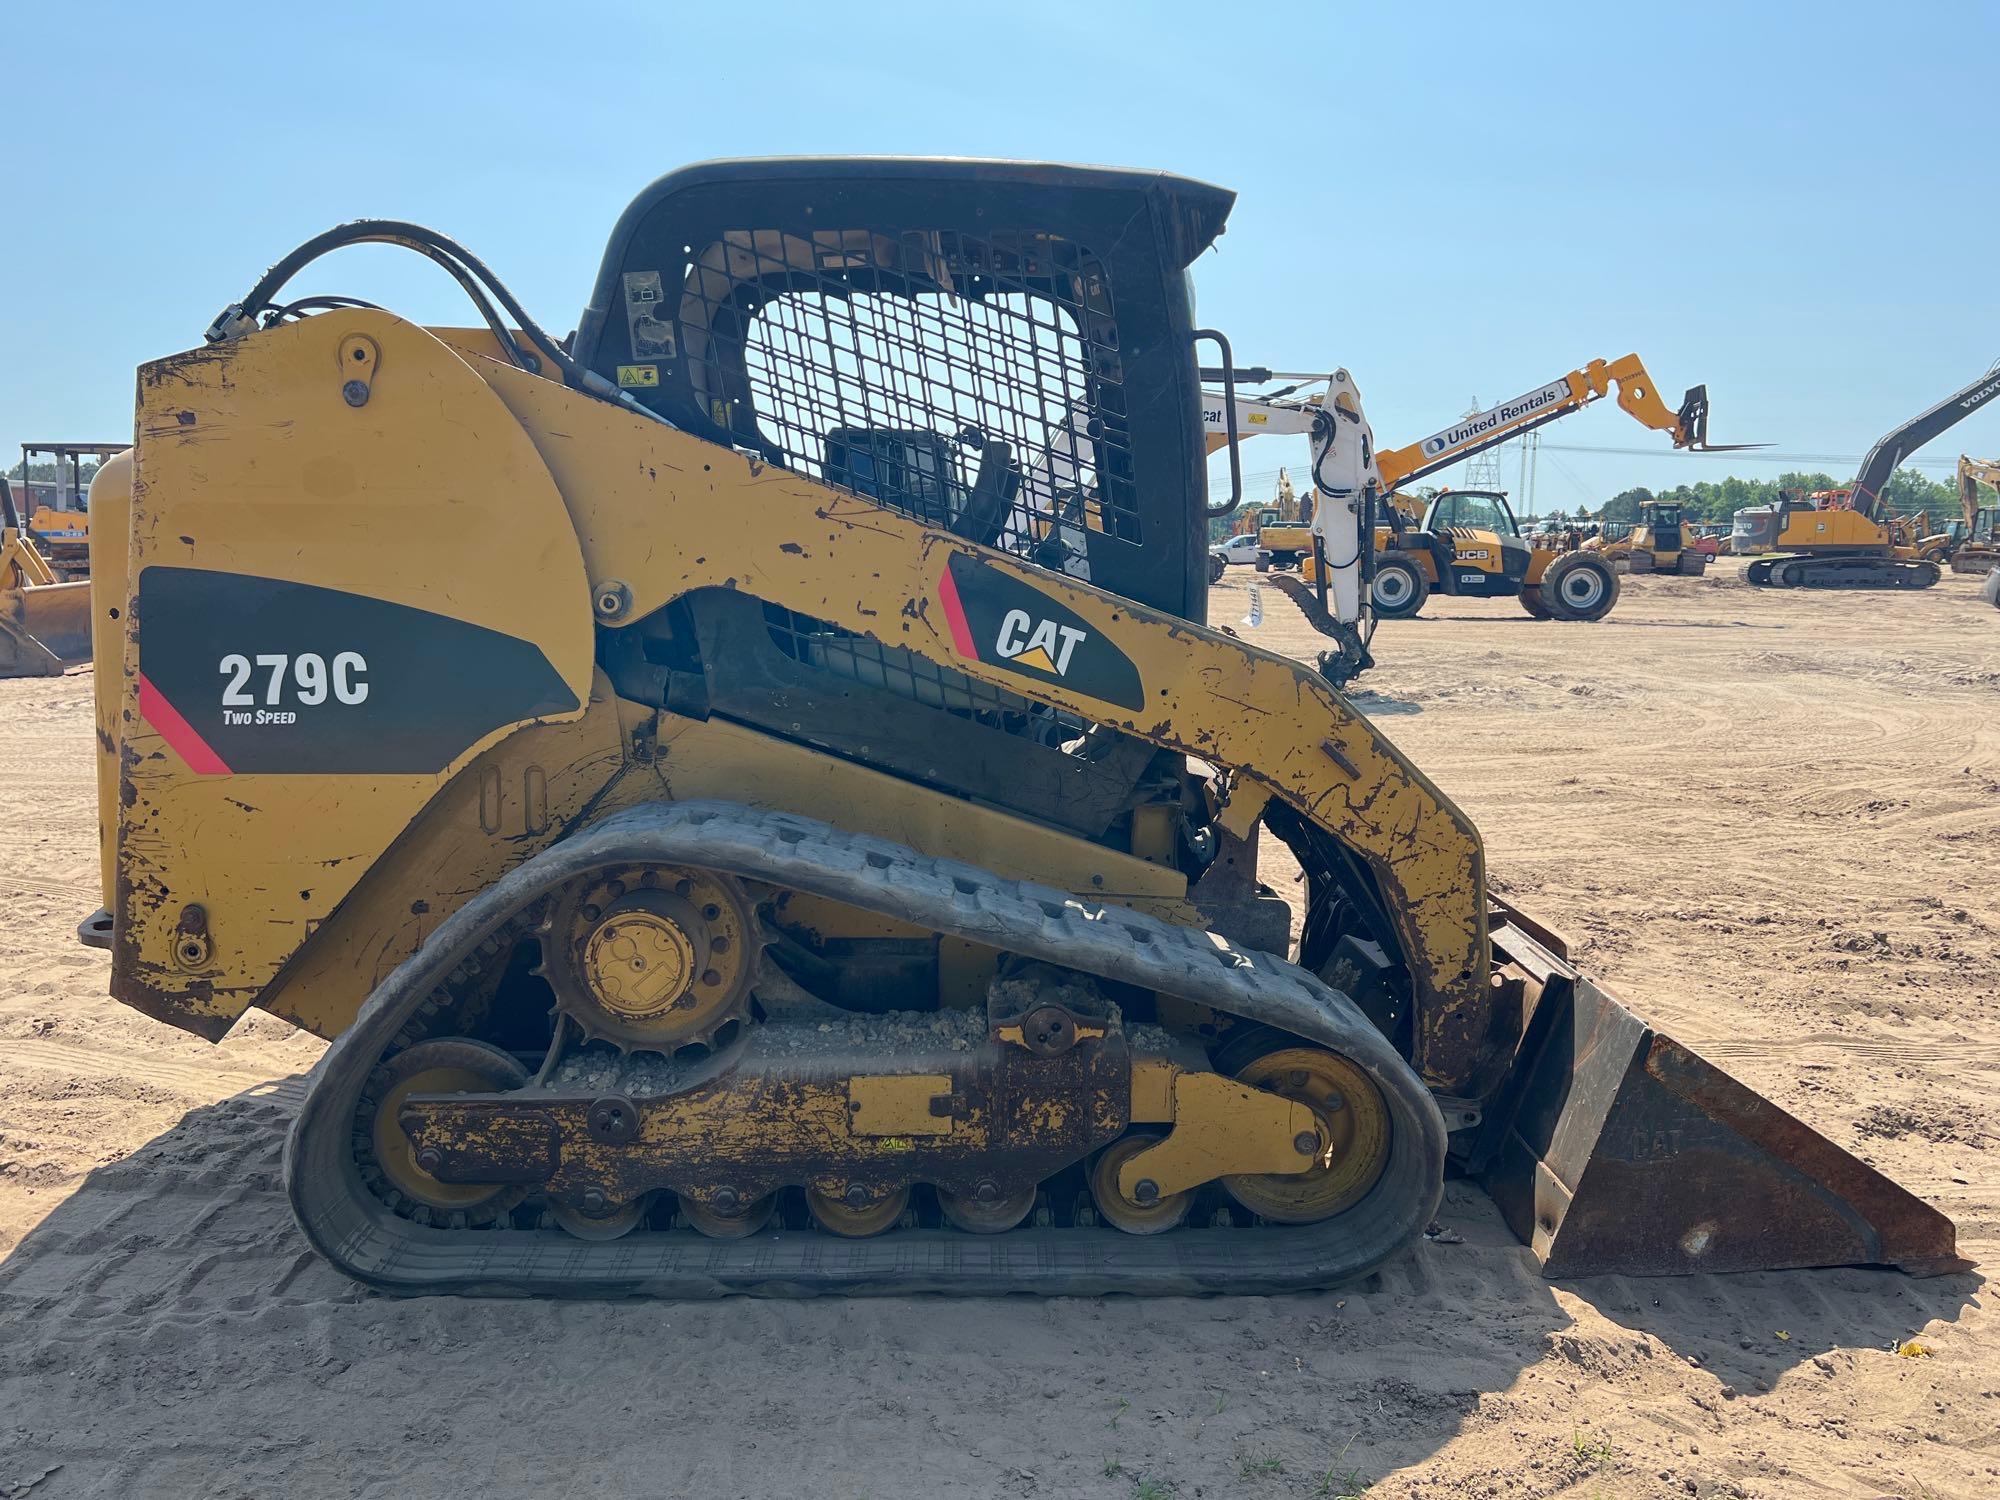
column 446, row 1065
column 1351, row 1148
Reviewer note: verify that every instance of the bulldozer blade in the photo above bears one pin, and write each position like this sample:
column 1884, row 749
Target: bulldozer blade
column 44, row 629
column 1617, row 1150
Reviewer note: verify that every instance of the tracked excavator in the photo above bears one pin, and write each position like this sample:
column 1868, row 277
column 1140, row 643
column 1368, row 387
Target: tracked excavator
column 1471, row 544
column 777, row 821
column 45, row 623
column 1846, row 539
column 1972, row 545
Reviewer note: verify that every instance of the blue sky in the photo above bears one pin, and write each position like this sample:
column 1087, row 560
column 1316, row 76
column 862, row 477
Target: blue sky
column 1790, row 203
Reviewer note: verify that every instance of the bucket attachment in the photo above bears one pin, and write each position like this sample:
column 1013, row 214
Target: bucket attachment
column 1614, row 1149
column 44, row 628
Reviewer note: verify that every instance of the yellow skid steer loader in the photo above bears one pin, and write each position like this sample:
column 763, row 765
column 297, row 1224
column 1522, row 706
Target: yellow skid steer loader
column 777, row 821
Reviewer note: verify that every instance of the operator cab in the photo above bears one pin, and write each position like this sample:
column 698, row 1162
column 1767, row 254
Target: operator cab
column 1660, row 516
column 1003, row 350
column 1476, row 543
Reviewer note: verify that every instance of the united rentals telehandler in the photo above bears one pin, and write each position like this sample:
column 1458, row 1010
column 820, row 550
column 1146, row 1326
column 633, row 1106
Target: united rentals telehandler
column 776, row 820
column 1472, row 545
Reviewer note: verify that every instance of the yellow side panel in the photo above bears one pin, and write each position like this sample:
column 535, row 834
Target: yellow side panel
column 1830, row 528
column 343, row 508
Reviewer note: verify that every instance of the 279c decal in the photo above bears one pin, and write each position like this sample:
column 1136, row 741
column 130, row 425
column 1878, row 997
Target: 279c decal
column 309, row 681
column 243, row 674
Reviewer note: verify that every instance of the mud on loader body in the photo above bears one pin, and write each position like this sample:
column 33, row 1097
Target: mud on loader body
column 780, row 781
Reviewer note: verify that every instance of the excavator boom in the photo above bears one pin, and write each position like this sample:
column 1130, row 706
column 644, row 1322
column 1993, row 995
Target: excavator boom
column 1903, row 441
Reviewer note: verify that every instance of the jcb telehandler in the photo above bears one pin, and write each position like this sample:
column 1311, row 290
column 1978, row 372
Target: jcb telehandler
column 776, row 821
column 1469, row 545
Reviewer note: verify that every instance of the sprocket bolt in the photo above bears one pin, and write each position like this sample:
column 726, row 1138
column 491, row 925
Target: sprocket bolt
column 858, row 1196
column 430, row 1160
column 1145, row 1191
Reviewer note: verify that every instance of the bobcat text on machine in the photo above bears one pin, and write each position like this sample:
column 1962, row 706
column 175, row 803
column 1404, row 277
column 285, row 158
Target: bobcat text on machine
column 1847, row 539
column 1470, row 543
column 777, row 820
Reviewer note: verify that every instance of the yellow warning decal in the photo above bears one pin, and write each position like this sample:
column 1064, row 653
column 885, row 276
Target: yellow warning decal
column 630, row 376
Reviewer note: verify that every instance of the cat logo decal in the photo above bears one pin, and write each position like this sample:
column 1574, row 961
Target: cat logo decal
column 1005, row 621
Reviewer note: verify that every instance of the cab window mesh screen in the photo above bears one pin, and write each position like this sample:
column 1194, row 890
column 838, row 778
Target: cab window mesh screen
column 973, row 382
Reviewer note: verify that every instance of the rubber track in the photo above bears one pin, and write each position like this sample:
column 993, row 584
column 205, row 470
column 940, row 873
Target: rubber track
column 361, row 1236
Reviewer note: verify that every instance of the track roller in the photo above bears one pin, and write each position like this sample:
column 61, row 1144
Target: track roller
column 612, row 1224
column 986, row 1210
column 725, row 1217
column 1143, row 1213
column 857, row 1213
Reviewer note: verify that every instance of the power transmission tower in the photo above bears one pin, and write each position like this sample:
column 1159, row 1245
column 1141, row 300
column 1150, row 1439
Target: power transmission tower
column 1482, row 470
column 1531, row 449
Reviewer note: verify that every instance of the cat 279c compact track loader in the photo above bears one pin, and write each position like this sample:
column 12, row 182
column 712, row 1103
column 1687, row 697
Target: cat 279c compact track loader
column 776, row 821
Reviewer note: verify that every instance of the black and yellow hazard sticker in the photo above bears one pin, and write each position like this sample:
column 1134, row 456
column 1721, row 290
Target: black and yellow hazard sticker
column 632, row 377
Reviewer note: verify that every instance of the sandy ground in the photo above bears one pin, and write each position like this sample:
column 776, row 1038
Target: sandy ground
column 1772, row 823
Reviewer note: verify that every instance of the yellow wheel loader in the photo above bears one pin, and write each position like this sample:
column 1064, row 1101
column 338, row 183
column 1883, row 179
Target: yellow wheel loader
column 44, row 622
column 777, row 821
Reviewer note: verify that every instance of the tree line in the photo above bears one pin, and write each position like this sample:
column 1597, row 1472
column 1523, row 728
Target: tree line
column 1716, row 502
